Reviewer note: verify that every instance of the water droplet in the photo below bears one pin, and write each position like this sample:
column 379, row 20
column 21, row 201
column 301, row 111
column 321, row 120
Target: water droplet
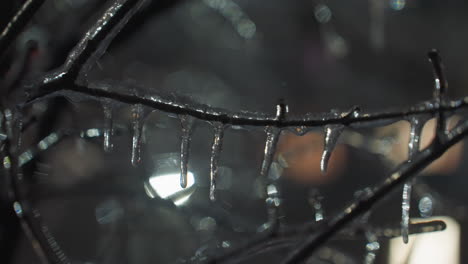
column 332, row 134
column 187, row 128
column 137, row 122
column 299, row 130
column 215, row 153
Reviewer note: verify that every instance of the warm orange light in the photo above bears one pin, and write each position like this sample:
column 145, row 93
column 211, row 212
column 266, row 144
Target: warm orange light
column 302, row 154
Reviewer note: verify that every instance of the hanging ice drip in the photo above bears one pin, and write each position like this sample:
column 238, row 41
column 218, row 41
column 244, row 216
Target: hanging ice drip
column 417, row 124
column 332, row 134
column 108, row 125
column 137, row 126
column 186, row 123
column 273, row 201
column 216, row 148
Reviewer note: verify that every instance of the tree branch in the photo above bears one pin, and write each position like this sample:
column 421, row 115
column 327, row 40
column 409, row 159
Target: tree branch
column 211, row 114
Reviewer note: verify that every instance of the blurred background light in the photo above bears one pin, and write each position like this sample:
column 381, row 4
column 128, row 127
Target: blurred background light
column 167, row 186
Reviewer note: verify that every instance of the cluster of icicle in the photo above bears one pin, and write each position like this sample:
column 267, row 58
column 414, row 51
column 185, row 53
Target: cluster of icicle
column 332, row 133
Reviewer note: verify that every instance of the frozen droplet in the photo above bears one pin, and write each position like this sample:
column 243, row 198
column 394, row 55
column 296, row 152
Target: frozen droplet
column 405, row 208
column 108, row 126
column 137, row 122
column 332, row 134
column 299, row 130
column 187, row 128
column 215, row 153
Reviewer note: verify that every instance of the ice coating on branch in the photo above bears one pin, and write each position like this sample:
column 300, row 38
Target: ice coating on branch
column 416, row 126
column 216, row 148
column 137, row 123
column 186, row 123
column 440, row 90
column 332, row 134
column 108, row 126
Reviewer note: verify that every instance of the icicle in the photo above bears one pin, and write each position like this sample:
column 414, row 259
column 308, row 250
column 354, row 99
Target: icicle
column 187, row 127
column 108, row 126
column 405, row 211
column 332, row 133
column 417, row 125
column 270, row 148
column 272, row 196
column 215, row 153
column 440, row 90
column 273, row 134
column 137, row 120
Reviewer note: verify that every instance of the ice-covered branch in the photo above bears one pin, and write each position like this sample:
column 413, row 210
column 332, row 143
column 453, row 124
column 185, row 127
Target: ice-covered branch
column 211, row 114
